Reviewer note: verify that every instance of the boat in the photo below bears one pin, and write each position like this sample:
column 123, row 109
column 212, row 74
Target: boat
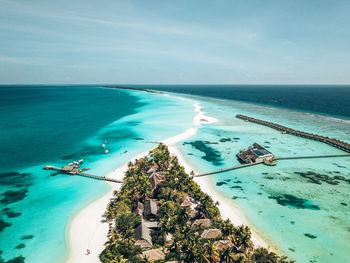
column 103, row 146
column 106, row 151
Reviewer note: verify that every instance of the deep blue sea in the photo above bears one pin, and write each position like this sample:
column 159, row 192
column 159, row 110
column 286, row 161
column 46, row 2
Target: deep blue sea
column 42, row 124
column 331, row 100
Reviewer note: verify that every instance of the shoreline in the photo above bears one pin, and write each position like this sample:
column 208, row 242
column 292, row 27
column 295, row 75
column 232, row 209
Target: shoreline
column 86, row 231
column 228, row 209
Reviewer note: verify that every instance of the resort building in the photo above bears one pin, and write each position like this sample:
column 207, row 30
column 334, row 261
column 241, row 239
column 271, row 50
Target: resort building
column 255, row 154
column 202, row 222
column 211, row 233
column 150, row 208
column 156, row 178
column 154, row 254
column 223, row 244
column 143, row 236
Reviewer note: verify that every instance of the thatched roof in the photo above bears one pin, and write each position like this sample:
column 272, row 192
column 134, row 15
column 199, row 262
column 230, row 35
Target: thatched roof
column 150, row 224
column 143, row 236
column 150, row 208
column 68, row 168
column 223, row 244
column 139, row 209
column 202, row 222
column 154, row 254
column 156, row 178
column 193, row 213
column 151, row 170
column 211, row 233
column 186, row 203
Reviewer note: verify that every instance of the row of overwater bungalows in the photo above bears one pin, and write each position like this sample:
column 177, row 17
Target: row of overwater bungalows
column 333, row 142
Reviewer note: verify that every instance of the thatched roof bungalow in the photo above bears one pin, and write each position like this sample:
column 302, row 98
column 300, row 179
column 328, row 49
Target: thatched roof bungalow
column 211, row 233
column 203, row 222
column 154, row 254
column 143, row 236
column 223, row 244
column 150, row 208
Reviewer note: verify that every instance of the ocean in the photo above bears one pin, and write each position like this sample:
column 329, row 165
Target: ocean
column 55, row 125
column 330, row 100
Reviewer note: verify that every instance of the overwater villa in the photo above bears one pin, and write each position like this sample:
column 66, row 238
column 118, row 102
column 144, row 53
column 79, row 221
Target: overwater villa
column 256, row 154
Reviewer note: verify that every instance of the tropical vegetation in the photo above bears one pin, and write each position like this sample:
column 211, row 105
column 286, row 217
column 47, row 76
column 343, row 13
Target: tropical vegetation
column 176, row 234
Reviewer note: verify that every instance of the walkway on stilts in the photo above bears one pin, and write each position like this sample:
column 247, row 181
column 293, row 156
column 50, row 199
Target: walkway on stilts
column 344, row 146
column 276, row 158
column 80, row 173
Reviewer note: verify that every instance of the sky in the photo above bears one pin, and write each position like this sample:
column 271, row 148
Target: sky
column 175, row 42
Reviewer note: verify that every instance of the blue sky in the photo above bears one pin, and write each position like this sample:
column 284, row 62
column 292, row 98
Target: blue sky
column 175, row 42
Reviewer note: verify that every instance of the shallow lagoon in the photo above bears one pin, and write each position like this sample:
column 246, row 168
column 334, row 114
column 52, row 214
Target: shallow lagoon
column 306, row 219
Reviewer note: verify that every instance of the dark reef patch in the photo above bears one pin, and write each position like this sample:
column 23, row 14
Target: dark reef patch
column 291, row 249
column 20, row 246
column 11, row 196
column 268, row 177
column 294, row 202
column 4, row 224
column 139, row 139
column 237, row 182
column 19, row 259
column 259, row 193
column 344, row 204
column 236, row 187
column 16, row 179
column 317, row 178
column 292, row 222
column 27, row 237
column 236, row 138
column 83, row 153
column 10, row 213
column 265, row 173
column 225, row 140
column 310, row 235
column 211, row 155
column 227, row 180
column 238, row 197
column 220, row 183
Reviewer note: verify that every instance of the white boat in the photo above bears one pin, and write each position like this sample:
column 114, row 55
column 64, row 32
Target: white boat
column 103, row 146
column 81, row 161
column 106, row 151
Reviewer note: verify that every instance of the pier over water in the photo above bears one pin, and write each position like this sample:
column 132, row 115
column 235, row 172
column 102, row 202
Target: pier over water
column 332, row 142
column 73, row 171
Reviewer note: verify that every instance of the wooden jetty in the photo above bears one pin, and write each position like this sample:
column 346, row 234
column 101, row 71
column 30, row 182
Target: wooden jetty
column 73, row 170
column 276, row 158
column 332, row 142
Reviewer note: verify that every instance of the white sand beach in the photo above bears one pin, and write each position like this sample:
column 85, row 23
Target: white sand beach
column 86, row 231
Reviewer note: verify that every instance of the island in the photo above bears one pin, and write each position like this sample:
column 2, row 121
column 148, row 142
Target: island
column 160, row 214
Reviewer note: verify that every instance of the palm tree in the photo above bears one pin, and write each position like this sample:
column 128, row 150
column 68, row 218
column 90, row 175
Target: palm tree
column 241, row 239
column 213, row 254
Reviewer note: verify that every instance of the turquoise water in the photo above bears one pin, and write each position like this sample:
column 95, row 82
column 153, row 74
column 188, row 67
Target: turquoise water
column 56, row 125
column 309, row 222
